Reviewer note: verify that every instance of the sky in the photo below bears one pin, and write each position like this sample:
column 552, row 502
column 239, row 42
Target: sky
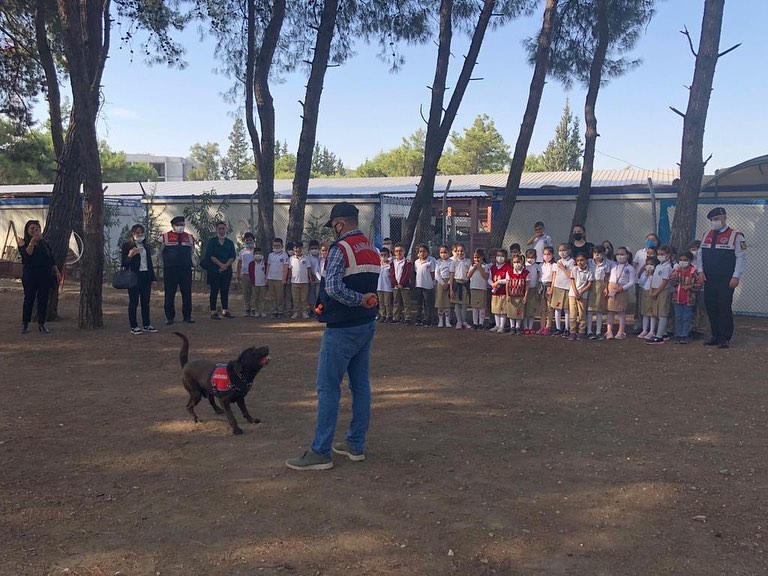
column 366, row 109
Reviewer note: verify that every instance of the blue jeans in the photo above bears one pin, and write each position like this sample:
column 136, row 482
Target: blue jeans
column 343, row 351
column 683, row 319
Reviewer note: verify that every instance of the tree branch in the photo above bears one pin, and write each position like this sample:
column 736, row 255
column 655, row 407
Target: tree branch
column 708, row 159
column 676, row 111
column 421, row 113
column 729, row 50
column 690, row 41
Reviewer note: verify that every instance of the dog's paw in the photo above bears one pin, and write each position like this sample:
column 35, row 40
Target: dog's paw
column 237, row 431
column 255, row 421
column 218, row 411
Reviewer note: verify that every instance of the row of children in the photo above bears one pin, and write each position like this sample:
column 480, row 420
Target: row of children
column 570, row 296
column 286, row 279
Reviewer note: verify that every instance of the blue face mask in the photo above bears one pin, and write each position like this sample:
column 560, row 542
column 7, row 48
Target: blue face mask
column 651, row 243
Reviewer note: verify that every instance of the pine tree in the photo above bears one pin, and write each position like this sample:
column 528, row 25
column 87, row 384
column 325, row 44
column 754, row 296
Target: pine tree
column 564, row 150
column 480, row 150
column 238, row 163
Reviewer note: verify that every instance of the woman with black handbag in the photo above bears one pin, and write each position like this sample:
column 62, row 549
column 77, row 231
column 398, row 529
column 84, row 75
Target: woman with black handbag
column 137, row 257
column 39, row 275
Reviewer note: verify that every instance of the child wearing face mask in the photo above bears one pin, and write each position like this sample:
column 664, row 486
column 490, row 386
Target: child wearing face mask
column 581, row 283
column 621, row 280
column 517, row 294
column 647, row 310
column 498, row 280
column 598, row 294
column 660, row 296
column 460, row 287
column 686, row 282
column 244, row 259
column 314, row 262
column 384, row 288
column 258, row 278
column 443, row 286
column 548, row 267
column 561, row 284
column 700, row 322
column 277, row 276
column 535, row 288
column 478, row 288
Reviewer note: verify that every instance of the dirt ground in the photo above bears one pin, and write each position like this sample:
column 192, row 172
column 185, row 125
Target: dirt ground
column 488, row 454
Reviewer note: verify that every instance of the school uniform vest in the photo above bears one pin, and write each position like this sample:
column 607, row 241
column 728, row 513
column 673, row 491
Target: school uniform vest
column 718, row 252
column 177, row 249
column 362, row 266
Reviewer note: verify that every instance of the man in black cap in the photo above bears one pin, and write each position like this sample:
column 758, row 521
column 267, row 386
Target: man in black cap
column 347, row 305
column 177, row 269
column 724, row 258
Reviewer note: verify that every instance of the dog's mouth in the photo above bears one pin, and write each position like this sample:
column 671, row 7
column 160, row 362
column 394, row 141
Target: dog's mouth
column 264, row 361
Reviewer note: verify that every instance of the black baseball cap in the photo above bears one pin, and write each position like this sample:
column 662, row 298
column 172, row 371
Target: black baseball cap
column 177, row 220
column 342, row 210
column 719, row 211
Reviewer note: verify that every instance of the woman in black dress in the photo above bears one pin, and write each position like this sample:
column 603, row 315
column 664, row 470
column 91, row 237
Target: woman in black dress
column 221, row 253
column 136, row 255
column 39, row 275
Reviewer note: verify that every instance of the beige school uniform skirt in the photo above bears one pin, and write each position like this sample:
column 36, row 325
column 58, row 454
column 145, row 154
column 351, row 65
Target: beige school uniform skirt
column 515, row 307
column 460, row 292
column 499, row 304
column 658, row 307
column 533, row 306
column 597, row 297
column 559, row 300
column 617, row 303
column 442, row 297
column 478, row 299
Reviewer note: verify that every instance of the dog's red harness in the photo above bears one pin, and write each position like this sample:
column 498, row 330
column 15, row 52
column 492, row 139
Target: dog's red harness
column 220, row 381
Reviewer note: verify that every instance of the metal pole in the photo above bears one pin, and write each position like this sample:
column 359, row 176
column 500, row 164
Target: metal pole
column 653, row 207
column 445, row 209
column 252, row 223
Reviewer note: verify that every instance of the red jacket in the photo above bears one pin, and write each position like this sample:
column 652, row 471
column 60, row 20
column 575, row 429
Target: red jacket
column 517, row 283
column 405, row 280
column 500, row 273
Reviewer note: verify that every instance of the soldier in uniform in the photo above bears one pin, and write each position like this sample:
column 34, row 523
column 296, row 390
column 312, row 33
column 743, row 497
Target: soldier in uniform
column 177, row 270
column 724, row 258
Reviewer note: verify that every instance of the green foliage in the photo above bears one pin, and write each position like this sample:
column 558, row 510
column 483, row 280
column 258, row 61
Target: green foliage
column 202, row 214
column 114, row 167
column 26, row 156
column 480, row 150
column 207, row 158
column 314, row 230
column 405, row 160
column 564, row 150
column 150, row 221
column 325, row 163
column 238, row 164
column 534, row 163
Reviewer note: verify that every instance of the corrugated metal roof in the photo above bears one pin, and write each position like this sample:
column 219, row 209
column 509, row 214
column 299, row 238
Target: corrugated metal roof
column 361, row 187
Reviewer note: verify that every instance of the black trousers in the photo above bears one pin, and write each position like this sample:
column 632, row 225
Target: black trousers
column 37, row 285
column 140, row 292
column 718, row 298
column 178, row 277
column 425, row 304
column 219, row 283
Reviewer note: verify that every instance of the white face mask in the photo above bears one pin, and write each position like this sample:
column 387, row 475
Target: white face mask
column 649, row 268
column 258, row 257
column 314, row 252
column 563, row 254
column 277, row 250
column 500, row 259
column 663, row 258
column 716, row 224
column 530, row 261
column 178, row 229
column 621, row 258
column 518, row 267
column 695, row 253
column 597, row 257
column 290, row 252
column 547, row 257
column 684, row 263
column 139, row 239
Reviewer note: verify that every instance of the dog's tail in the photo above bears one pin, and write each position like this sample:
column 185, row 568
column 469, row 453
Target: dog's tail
column 184, row 352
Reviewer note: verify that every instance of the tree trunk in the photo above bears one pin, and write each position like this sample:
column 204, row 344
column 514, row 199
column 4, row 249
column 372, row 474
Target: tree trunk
column 501, row 219
column 65, row 208
column 311, row 109
column 692, row 162
column 53, row 94
column 258, row 65
column 417, row 223
column 590, row 138
column 86, row 35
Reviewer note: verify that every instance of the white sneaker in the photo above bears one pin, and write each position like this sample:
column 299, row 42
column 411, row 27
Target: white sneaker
column 305, row 316
column 494, row 329
column 467, row 326
column 447, row 324
column 643, row 335
column 441, row 322
column 459, row 326
column 294, row 317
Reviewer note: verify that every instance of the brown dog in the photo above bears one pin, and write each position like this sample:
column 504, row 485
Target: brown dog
column 196, row 377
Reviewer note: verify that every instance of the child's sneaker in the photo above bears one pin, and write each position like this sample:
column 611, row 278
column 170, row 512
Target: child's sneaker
column 609, row 335
column 557, row 333
column 150, row 329
column 621, row 336
column 566, row 333
column 467, row 326
column 581, row 336
column 683, row 340
column 591, row 336
column 545, row 332
column 572, row 337
column 494, row 329
column 458, row 326
column 136, row 330
column 655, row 340
column 643, row 334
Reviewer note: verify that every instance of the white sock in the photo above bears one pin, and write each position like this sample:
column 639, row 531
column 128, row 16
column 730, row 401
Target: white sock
column 662, row 327
column 503, row 321
column 475, row 316
column 653, row 324
column 609, row 324
column 646, row 323
column 599, row 325
column 481, row 317
column 558, row 322
column 568, row 321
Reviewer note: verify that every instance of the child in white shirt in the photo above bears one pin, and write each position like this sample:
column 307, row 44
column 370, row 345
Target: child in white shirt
column 460, row 286
column 478, row 288
column 539, row 241
column 581, row 281
column 561, row 284
column 598, row 294
column 277, row 276
column 301, row 276
column 424, row 265
column 258, row 278
column 442, row 288
column 620, row 281
column 548, row 267
column 244, row 260
column 533, row 302
column 660, row 297
column 384, row 288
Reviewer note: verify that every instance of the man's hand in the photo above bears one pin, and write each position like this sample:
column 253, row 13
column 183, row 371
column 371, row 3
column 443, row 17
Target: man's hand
column 733, row 283
column 370, row 300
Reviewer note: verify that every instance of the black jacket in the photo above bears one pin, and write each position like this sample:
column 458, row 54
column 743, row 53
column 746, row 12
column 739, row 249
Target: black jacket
column 135, row 262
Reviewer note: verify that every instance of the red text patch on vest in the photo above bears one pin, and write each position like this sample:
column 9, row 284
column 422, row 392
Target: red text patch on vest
column 220, row 381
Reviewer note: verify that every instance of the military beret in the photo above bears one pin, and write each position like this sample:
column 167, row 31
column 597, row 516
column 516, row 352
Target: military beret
column 177, row 220
column 719, row 211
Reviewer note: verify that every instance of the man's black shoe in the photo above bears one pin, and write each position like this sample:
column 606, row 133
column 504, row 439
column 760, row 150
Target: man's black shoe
column 168, row 321
column 189, row 320
column 724, row 345
column 711, row 342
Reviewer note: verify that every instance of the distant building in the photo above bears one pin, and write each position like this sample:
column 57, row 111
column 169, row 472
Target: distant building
column 169, row 168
